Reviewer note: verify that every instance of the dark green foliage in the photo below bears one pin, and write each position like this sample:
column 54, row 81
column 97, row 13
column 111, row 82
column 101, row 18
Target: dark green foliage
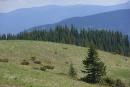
column 33, row 58
column 109, row 81
column 49, row 67
column 72, row 72
column 37, row 62
column 42, row 68
column 114, row 83
column 119, row 83
column 114, row 42
column 3, row 37
column 24, row 62
column 94, row 68
column 4, row 60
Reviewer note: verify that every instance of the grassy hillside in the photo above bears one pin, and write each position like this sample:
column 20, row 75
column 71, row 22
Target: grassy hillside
column 13, row 74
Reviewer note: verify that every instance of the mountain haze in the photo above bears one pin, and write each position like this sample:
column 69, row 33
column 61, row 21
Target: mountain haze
column 21, row 19
column 114, row 20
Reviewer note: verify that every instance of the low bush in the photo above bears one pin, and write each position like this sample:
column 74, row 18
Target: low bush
column 33, row 58
column 49, row 67
column 43, row 68
column 109, row 81
column 4, row 60
column 72, row 72
column 119, row 83
column 37, row 62
column 24, row 62
column 114, row 83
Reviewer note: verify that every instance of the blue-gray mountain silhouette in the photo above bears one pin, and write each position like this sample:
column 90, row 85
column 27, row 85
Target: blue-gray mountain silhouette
column 114, row 20
column 21, row 19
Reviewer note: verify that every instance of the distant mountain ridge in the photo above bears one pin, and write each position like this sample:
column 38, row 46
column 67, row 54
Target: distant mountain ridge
column 114, row 20
column 21, row 19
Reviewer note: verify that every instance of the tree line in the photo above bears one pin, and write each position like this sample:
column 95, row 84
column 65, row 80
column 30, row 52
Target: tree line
column 106, row 40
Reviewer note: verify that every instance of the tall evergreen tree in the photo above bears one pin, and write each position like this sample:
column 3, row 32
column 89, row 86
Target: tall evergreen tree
column 94, row 68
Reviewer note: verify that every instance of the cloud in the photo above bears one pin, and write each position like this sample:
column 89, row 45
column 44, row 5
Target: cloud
column 9, row 5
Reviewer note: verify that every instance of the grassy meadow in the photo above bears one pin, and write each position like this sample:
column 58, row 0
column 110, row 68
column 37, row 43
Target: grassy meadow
column 13, row 74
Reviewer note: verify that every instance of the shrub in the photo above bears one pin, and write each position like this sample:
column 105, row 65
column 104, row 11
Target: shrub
column 109, row 81
column 33, row 58
column 49, row 67
column 72, row 72
column 4, row 60
column 24, row 62
column 119, row 83
column 114, row 83
column 37, row 62
column 43, row 68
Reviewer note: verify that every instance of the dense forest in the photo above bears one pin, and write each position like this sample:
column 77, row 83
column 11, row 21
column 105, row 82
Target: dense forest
column 110, row 41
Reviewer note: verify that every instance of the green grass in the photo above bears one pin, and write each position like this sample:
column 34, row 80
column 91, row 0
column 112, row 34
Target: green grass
column 15, row 75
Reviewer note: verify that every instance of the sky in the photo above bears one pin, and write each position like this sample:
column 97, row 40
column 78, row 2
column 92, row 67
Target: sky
column 10, row 5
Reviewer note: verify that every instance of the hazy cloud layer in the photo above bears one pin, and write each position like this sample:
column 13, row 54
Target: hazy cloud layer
column 9, row 5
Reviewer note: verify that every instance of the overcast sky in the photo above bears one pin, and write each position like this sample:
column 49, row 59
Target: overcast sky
column 9, row 5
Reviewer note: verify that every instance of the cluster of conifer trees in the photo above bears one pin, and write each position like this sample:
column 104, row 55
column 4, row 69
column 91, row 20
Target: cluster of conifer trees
column 110, row 41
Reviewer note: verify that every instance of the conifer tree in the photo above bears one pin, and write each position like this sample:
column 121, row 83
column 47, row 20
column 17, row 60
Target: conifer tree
column 94, row 68
column 72, row 72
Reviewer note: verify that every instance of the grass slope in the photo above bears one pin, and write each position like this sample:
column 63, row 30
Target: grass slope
column 13, row 74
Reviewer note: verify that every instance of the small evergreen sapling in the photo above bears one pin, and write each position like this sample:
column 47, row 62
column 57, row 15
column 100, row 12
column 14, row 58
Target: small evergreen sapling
column 72, row 72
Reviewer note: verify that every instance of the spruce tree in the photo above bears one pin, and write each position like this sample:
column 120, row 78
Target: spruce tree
column 72, row 72
column 94, row 68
